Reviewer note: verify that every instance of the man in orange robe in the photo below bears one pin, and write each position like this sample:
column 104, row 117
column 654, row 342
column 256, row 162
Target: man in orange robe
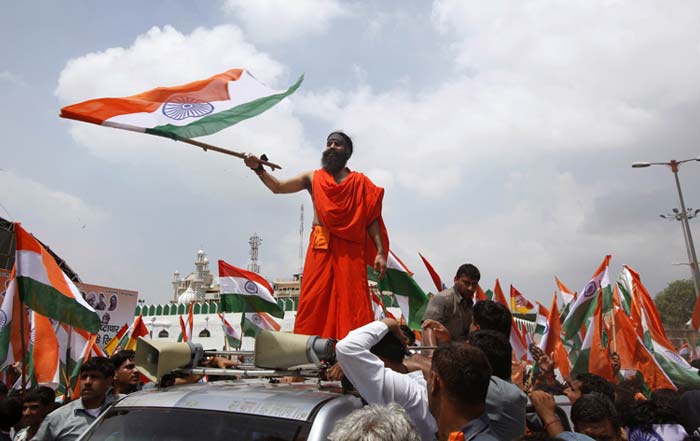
column 348, row 234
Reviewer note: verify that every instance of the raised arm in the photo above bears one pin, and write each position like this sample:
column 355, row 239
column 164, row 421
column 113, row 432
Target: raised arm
column 293, row 185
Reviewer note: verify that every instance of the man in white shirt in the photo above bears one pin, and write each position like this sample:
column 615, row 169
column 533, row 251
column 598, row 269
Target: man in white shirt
column 372, row 358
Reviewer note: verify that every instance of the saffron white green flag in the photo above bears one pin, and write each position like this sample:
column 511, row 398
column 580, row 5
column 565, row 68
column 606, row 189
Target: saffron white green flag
column 232, row 338
column 45, row 288
column 195, row 109
column 541, row 320
column 247, row 291
column 399, row 280
column 583, row 306
column 252, row 323
column 10, row 331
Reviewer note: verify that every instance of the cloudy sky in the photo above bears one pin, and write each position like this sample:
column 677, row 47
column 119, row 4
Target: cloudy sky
column 503, row 132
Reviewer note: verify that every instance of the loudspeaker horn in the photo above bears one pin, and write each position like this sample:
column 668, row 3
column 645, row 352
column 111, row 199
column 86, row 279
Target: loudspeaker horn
column 156, row 358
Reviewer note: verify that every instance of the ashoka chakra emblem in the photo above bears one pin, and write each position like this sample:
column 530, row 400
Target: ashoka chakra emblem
column 3, row 318
column 250, row 287
column 186, row 107
column 590, row 289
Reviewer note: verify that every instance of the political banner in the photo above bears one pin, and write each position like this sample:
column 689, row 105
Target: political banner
column 115, row 306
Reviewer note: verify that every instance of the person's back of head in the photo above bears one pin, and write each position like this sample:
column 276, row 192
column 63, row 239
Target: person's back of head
column 375, row 423
column 596, row 383
column 389, row 348
column 463, row 372
column 409, row 334
column 594, row 414
column 497, row 349
column 490, row 315
column 3, row 390
column 643, row 415
column 10, row 413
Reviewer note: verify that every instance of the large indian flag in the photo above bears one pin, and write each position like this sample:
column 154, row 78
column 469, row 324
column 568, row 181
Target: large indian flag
column 11, row 332
column 44, row 288
column 195, row 109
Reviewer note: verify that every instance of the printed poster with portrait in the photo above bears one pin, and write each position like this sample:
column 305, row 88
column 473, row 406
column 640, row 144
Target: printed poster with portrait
column 115, row 307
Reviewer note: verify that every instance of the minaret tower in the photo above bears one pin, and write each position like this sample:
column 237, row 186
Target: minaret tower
column 255, row 241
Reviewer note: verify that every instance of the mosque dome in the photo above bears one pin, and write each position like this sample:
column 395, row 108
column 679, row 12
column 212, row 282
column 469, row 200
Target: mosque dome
column 187, row 297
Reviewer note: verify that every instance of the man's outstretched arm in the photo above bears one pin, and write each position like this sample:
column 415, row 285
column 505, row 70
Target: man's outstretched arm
column 293, row 185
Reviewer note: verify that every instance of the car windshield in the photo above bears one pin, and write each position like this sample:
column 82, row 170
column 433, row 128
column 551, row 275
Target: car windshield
column 151, row 424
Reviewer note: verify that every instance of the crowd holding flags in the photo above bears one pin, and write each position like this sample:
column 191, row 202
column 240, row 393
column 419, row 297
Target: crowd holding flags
column 48, row 328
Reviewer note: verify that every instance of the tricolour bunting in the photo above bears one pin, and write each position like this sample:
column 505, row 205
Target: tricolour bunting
column 247, row 291
column 581, row 310
column 44, row 288
column 399, row 280
column 233, row 340
column 195, row 109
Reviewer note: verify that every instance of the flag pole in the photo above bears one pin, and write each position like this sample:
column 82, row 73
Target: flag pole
column 22, row 312
column 204, row 146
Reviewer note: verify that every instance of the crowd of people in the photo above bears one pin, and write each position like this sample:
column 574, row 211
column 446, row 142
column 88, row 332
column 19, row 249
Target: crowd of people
column 459, row 388
column 469, row 388
column 35, row 414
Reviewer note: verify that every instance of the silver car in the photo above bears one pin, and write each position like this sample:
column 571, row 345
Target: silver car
column 242, row 410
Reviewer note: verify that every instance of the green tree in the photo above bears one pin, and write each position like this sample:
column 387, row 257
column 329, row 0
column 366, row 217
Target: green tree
column 676, row 302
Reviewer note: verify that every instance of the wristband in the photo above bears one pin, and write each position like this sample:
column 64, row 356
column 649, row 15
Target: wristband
column 260, row 170
column 555, row 420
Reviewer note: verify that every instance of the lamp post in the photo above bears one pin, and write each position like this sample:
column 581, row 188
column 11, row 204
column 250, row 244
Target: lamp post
column 683, row 215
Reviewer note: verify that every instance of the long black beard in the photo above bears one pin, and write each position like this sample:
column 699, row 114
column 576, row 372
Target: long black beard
column 334, row 161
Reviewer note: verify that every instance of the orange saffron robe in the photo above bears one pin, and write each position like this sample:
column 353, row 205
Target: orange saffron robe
column 334, row 293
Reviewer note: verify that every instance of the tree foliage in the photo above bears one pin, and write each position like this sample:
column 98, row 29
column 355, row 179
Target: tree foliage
column 676, row 302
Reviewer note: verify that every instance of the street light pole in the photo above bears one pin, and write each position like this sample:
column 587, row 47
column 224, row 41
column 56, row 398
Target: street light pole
column 687, row 235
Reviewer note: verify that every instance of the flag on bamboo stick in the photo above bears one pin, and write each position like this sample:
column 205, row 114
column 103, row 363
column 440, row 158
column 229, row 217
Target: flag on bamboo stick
column 541, row 319
column 678, row 369
column 399, row 280
column 518, row 303
column 44, row 288
column 190, row 322
column 634, row 355
column 551, row 343
column 252, row 323
column 139, row 329
column 594, row 356
column 566, row 294
column 14, row 328
column 439, row 285
column 232, row 338
column 581, row 310
column 624, row 285
column 517, row 340
column 183, row 331
column 111, row 347
column 44, row 367
column 195, row 109
column 243, row 290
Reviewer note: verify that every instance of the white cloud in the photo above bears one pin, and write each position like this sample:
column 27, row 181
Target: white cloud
column 276, row 20
column 9, row 77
